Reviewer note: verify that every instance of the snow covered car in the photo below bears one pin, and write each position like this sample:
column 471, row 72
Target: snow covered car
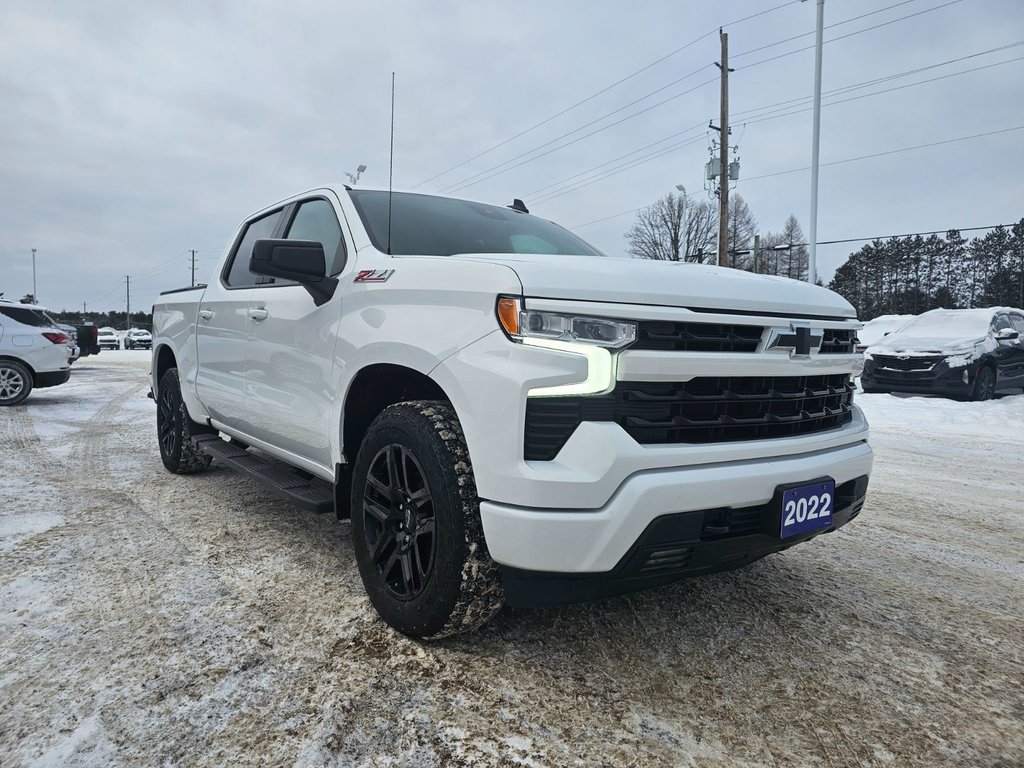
column 964, row 353
column 138, row 338
column 880, row 327
column 107, row 338
column 33, row 352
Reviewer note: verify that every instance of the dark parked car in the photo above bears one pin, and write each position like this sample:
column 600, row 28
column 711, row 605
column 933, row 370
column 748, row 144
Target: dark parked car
column 963, row 353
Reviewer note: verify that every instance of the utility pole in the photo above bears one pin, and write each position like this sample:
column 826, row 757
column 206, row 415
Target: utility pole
column 757, row 254
column 35, row 296
column 723, row 167
column 128, row 301
column 812, row 258
column 193, row 267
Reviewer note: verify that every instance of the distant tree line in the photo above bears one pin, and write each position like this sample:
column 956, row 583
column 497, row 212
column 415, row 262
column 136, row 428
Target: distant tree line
column 683, row 227
column 914, row 274
column 115, row 319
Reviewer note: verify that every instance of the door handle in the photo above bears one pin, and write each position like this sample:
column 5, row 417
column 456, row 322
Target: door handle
column 258, row 314
column 206, row 314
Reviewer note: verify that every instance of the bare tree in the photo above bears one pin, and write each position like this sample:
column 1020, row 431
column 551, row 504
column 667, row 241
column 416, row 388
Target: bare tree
column 742, row 228
column 676, row 227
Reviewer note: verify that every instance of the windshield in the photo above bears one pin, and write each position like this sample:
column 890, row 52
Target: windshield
column 948, row 325
column 441, row 226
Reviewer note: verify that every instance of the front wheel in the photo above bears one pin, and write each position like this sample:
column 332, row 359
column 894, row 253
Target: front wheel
column 984, row 385
column 15, row 382
column 416, row 527
column 175, row 429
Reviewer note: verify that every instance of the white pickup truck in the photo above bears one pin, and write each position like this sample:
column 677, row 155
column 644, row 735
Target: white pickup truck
column 506, row 414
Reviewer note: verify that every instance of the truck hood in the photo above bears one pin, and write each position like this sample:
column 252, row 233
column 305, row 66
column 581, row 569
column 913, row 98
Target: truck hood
column 665, row 283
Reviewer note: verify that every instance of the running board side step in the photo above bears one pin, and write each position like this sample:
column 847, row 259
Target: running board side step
column 312, row 495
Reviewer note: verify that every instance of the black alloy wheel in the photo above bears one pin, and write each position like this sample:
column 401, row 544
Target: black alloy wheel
column 398, row 521
column 416, row 527
column 174, row 429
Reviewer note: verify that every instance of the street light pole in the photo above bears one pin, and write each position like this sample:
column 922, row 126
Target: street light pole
column 35, row 296
column 812, row 260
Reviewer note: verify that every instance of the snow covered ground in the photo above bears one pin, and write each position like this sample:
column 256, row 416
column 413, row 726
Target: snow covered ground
column 148, row 619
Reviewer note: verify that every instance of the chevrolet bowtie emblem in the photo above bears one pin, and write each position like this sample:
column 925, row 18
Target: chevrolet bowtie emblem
column 800, row 339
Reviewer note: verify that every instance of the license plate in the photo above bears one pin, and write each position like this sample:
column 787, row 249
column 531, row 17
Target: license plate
column 807, row 508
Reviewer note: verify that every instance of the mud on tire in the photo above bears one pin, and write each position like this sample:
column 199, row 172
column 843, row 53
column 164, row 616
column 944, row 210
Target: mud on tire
column 175, row 429
column 416, row 527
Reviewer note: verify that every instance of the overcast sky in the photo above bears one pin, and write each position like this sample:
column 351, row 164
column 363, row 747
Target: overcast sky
column 133, row 132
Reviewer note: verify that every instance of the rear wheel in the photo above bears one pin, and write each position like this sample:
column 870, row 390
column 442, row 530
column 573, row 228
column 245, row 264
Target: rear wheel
column 15, row 382
column 175, row 429
column 416, row 524
column 984, row 385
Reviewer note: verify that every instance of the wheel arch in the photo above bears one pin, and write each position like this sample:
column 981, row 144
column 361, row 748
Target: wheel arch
column 163, row 360
column 25, row 363
column 373, row 389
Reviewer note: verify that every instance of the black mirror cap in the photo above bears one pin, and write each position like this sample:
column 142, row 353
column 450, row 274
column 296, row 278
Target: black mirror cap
column 300, row 260
column 1007, row 334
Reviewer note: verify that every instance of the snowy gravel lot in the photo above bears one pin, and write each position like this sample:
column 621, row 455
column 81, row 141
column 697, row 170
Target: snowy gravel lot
column 148, row 619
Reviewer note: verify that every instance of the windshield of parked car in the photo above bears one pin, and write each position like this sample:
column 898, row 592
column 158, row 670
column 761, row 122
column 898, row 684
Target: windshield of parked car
column 442, row 226
column 949, row 324
column 34, row 317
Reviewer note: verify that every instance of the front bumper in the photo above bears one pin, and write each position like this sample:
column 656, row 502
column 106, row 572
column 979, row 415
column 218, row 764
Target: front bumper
column 942, row 379
column 597, row 541
column 679, row 545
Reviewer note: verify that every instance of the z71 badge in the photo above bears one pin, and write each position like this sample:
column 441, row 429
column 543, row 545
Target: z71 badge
column 373, row 275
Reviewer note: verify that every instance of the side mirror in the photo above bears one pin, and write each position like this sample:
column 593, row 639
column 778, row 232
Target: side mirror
column 300, row 260
column 1007, row 334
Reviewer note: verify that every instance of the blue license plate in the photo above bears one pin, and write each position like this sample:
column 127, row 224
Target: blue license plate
column 807, row 508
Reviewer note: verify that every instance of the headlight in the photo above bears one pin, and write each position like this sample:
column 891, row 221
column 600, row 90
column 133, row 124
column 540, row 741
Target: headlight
column 595, row 338
column 522, row 324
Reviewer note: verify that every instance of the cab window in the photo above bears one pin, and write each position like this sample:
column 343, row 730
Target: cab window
column 315, row 220
column 238, row 275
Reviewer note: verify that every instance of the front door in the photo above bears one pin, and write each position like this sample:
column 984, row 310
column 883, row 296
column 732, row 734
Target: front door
column 291, row 341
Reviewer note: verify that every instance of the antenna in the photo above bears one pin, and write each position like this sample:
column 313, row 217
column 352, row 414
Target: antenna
column 391, row 159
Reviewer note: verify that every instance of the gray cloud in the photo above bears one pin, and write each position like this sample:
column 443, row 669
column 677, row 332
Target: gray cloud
column 134, row 132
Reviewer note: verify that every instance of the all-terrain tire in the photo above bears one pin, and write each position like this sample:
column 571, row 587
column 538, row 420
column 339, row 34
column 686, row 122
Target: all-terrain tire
column 422, row 478
column 984, row 385
column 174, row 429
column 15, row 382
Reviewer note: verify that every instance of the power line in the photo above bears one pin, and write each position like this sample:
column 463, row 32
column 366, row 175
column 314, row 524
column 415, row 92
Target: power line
column 891, row 152
column 510, row 164
column 852, row 34
column 807, row 168
column 605, row 90
column 668, row 150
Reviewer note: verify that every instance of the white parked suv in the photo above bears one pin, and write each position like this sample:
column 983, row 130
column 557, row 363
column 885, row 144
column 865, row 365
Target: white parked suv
column 33, row 352
column 107, row 339
column 506, row 414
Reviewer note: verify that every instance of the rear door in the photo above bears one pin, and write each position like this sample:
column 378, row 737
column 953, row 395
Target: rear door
column 1005, row 353
column 1017, row 348
column 291, row 344
column 223, row 323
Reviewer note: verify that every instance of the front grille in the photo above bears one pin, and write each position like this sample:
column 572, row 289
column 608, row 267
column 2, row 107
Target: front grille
column 906, row 364
column 837, row 341
column 703, row 410
column 670, row 336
